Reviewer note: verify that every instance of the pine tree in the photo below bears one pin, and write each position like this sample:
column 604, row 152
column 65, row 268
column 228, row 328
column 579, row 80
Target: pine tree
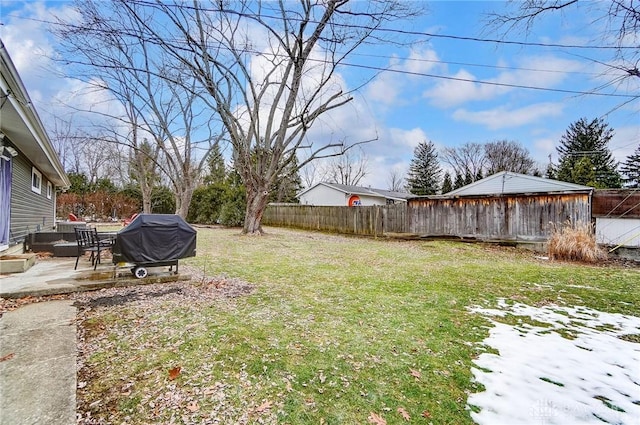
column 588, row 139
column 631, row 170
column 217, row 168
column 288, row 185
column 447, row 184
column 458, row 182
column 584, row 173
column 468, row 178
column 424, row 171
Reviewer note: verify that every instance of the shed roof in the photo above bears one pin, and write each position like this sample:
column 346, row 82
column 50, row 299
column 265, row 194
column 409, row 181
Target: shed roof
column 509, row 182
column 365, row 191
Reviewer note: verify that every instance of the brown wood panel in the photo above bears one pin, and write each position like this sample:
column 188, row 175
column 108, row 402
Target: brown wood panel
column 622, row 203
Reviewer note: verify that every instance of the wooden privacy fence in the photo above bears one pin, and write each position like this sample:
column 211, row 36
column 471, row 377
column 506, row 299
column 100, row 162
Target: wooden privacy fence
column 368, row 221
column 528, row 217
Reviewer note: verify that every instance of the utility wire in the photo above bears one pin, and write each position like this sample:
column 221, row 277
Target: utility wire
column 401, row 32
column 491, row 83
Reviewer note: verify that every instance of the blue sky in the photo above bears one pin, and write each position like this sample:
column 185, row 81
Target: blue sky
column 406, row 107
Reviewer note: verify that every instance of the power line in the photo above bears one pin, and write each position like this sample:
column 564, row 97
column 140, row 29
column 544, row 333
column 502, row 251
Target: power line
column 491, row 83
column 436, row 76
column 405, row 32
column 511, row 68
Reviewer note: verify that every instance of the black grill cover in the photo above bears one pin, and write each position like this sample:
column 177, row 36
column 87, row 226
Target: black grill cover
column 154, row 238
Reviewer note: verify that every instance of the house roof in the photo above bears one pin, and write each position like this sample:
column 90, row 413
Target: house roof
column 22, row 125
column 365, row 191
column 509, row 182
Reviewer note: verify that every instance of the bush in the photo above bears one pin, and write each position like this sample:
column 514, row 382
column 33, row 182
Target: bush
column 575, row 243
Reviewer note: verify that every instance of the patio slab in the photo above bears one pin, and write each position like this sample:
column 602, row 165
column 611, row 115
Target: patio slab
column 56, row 276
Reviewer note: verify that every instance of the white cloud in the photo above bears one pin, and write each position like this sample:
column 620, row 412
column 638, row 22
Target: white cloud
column 624, row 142
column 501, row 117
column 409, row 138
column 535, row 71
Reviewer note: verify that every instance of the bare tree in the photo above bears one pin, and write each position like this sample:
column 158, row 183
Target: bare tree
column 505, row 155
column 468, row 159
column 62, row 137
column 268, row 69
column 396, row 181
column 620, row 20
column 349, row 168
column 313, row 173
column 159, row 101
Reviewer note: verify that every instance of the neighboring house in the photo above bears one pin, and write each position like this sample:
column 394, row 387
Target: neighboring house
column 509, row 182
column 333, row 194
column 30, row 170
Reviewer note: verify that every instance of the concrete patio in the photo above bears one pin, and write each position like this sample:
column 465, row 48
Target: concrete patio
column 54, row 276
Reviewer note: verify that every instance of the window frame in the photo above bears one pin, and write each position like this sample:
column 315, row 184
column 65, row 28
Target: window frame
column 36, row 174
column 49, row 190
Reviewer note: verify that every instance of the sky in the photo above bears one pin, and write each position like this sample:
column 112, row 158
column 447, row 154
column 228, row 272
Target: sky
column 537, row 374
column 433, row 92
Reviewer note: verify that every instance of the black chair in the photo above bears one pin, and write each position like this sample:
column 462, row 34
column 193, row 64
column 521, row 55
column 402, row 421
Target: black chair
column 88, row 241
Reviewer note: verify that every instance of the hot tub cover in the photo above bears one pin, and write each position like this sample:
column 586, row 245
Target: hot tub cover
column 154, row 238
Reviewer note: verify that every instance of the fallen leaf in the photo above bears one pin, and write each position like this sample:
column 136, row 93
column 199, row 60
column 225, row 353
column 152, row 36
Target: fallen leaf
column 193, row 406
column 7, row 357
column 173, row 373
column 404, row 413
column 376, row 419
column 416, row 374
column 263, row 407
column 426, row 414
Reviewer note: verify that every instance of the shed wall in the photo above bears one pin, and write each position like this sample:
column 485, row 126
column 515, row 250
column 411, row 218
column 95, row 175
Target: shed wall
column 508, row 217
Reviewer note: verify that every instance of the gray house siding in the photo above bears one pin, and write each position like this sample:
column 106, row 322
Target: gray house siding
column 30, row 211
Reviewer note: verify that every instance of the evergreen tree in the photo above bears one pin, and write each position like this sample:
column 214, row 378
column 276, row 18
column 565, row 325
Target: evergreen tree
column 588, row 139
column 289, row 184
column 447, row 184
column 458, row 182
column 584, row 173
column 631, row 170
column 468, row 178
column 207, row 200
column 424, row 171
column 479, row 175
column 217, row 168
column 550, row 172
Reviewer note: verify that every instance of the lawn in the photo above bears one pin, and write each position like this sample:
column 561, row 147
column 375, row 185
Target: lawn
column 301, row 327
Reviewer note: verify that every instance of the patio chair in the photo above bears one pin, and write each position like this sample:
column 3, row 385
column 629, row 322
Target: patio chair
column 128, row 220
column 88, row 241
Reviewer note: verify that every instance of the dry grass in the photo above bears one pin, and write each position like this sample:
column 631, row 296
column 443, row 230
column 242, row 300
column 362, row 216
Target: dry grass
column 575, row 243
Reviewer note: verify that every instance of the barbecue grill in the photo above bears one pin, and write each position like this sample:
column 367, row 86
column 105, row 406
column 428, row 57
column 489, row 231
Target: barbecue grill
column 154, row 240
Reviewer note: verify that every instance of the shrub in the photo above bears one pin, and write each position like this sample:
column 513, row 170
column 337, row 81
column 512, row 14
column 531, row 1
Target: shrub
column 575, row 243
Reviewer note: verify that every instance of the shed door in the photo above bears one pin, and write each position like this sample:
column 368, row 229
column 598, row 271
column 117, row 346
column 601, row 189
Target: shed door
column 5, row 202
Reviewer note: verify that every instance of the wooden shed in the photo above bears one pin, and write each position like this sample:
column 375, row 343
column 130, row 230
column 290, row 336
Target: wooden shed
column 503, row 207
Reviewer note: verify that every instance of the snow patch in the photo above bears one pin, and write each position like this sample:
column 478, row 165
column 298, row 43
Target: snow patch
column 542, row 377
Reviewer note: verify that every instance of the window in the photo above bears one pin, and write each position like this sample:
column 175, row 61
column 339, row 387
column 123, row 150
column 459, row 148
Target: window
column 49, row 190
column 36, row 180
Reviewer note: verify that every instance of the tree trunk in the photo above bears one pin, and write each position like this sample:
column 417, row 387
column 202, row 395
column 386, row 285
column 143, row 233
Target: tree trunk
column 146, row 202
column 183, row 200
column 257, row 200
